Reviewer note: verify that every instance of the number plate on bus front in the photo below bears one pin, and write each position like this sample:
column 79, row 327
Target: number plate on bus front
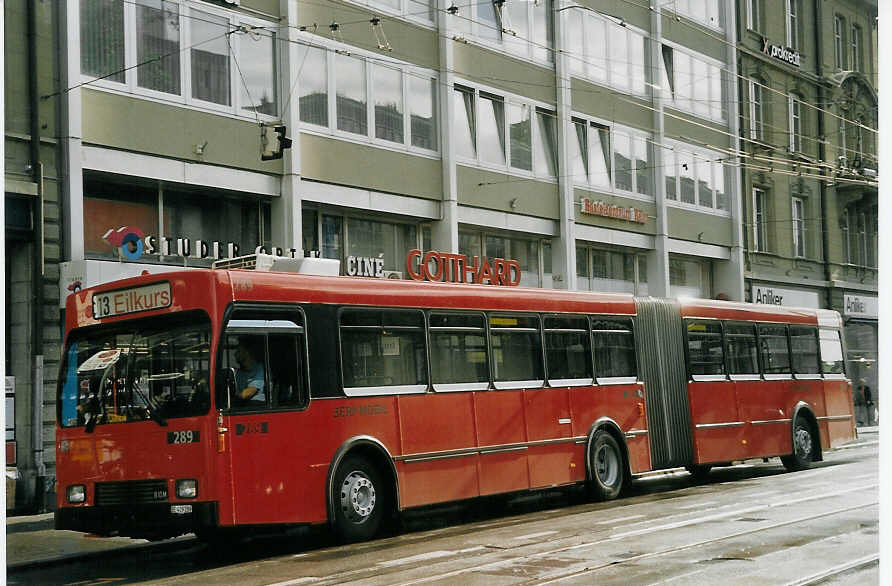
column 123, row 301
column 189, row 436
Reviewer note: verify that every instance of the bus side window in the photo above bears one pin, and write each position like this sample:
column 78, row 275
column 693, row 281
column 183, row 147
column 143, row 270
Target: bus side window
column 741, row 348
column 613, row 346
column 804, row 343
column 516, row 351
column 705, row 353
column 831, row 352
column 568, row 350
column 288, row 386
column 774, row 349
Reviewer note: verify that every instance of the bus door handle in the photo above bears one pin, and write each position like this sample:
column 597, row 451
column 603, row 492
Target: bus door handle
column 564, row 421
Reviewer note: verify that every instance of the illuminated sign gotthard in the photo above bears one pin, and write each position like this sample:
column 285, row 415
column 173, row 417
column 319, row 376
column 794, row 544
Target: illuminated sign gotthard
column 601, row 208
column 457, row 268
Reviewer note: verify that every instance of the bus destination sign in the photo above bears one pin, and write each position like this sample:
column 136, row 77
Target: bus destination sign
column 457, row 268
column 122, row 301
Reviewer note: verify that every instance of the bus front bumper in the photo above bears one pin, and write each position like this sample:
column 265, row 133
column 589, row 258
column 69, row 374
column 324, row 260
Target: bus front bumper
column 146, row 521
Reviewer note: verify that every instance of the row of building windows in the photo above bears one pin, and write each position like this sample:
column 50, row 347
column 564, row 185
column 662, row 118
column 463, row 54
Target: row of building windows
column 718, row 348
column 518, row 27
column 184, row 53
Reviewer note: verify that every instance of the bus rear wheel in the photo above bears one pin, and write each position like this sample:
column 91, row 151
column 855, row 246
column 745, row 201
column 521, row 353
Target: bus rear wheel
column 607, row 467
column 804, row 445
column 359, row 500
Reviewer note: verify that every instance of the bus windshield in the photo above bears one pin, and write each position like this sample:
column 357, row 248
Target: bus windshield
column 136, row 371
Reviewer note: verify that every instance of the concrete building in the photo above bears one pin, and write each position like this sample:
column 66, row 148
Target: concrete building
column 808, row 79
column 597, row 144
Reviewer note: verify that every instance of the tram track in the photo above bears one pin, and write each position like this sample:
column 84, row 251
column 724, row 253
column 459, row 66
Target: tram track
column 630, row 531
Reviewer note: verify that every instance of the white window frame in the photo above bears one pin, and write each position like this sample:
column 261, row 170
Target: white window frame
column 587, row 57
column 409, row 10
column 468, row 11
column 371, row 60
column 713, row 8
column 757, row 125
column 760, row 234
column 846, row 230
column 791, row 18
column 800, row 248
column 838, row 45
column 687, row 104
column 794, row 104
column 699, row 154
column 753, row 15
column 633, row 133
column 534, row 132
column 185, row 9
column 855, row 44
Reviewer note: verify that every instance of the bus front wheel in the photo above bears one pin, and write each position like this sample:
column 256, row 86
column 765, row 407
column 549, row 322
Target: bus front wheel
column 804, row 445
column 358, row 500
column 607, row 467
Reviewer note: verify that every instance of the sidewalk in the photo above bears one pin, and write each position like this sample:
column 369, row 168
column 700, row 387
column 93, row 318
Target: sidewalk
column 31, row 539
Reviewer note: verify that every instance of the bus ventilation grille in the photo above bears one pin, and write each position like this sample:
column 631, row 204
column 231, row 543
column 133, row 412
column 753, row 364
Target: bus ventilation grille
column 133, row 492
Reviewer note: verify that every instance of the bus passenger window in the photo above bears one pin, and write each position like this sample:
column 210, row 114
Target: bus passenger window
column 774, row 349
column 458, row 352
column 568, row 352
column 831, row 352
column 383, row 351
column 516, row 351
column 286, row 373
column 246, row 355
column 613, row 346
column 741, row 348
column 804, row 343
column 705, row 353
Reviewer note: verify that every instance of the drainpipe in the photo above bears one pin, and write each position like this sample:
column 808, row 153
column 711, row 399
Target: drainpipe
column 38, row 271
column 822, row 149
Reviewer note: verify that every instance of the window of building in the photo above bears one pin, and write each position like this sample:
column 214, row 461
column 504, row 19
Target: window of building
column 383, row 351
column 605, row 158
column 483, row 136
column 856, row 47
column 760, row 221
column 459, row 359
column 843, row 138
column 794, row 103
column 516, row 351
column 606, row 52
column 799, row 248
column 420, row 10
column 804, row 347
column 613, row 347
column 756, row 122
column 689, row 277
column 845, row 228
column 692, row 82
column 754, row 15
column 792, row 24
column 740, row 339
column 520, row 28
column 706, row 12
column 140, row 51
column 774, row 350
column 610, row 271
column 862, row 239
column 190, row 220
column 838, row 42
column 696, row 177
column 705, row 352
column 371, row 99
column 530, row 254
column 568, row 355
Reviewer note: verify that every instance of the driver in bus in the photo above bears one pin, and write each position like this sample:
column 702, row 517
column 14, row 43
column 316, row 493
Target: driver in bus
column 250, row 377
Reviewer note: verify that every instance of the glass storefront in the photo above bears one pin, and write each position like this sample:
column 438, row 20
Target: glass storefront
column 610, row 271
column 689, row 277
column 525, row 251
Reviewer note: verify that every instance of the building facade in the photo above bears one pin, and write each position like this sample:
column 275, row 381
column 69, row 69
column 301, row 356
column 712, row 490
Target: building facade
column 807, row 82
column 595, row 143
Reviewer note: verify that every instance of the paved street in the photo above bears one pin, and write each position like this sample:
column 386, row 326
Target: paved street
column 751, row 524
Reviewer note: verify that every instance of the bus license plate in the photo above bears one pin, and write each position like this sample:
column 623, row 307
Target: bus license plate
column 180, row 509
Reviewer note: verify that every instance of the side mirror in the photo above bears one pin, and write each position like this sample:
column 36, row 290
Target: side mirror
column 225, row 387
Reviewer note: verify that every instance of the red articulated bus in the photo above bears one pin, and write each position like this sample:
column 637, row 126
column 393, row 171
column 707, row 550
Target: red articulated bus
column 202, row 400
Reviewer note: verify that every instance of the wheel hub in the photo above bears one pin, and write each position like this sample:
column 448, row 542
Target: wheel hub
column 803, row 442
column 357, row 497
column 606, row 465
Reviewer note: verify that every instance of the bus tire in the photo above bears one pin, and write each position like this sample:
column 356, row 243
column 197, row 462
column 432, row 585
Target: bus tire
column 608, row 467
column 358, row 495
column 804, row 445
column 699, row 472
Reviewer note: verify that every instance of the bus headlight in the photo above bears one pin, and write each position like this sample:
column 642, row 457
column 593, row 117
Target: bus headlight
column 77, row 493
column 187, row 488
